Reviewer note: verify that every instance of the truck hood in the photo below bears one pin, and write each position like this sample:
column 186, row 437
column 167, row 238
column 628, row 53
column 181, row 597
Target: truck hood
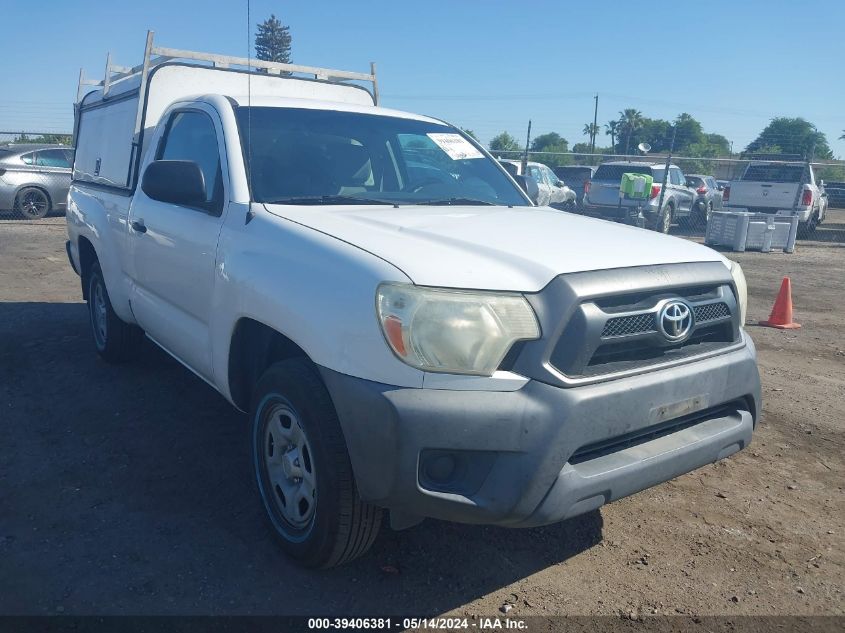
column 493, row 248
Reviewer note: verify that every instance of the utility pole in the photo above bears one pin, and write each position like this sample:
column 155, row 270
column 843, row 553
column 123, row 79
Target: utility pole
column 525, row 155
column 595, row 125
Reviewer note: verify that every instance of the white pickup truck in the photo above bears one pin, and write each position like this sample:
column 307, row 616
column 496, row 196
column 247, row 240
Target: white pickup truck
column 404, row 328
column 779, row 188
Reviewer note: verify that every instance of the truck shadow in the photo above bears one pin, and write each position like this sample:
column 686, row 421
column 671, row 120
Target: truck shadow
column 139, row 477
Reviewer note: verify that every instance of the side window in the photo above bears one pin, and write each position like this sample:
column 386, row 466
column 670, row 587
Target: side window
column 190, row 136
column 675, row 177
column 28, row 159
column 535, row 173
column 550, row 176
column 52, row 158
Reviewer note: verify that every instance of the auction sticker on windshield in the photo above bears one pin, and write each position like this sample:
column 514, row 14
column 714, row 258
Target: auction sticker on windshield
column 455, row 145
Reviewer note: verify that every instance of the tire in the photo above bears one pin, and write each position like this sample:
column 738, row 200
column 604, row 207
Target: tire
column 115, row 340
column 329, row 524
column 32, row 203
column 701, row 215
column 663, row 221
column 807, row 229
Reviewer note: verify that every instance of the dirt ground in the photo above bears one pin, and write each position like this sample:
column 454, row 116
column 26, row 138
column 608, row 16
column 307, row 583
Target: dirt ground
column 129, row 491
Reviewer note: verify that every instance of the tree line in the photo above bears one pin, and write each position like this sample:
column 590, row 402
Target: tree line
column 683, row 136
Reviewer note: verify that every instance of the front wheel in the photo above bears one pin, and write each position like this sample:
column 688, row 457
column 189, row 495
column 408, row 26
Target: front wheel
column 303, row 470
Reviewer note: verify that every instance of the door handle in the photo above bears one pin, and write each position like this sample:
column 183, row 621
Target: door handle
column 138, row 226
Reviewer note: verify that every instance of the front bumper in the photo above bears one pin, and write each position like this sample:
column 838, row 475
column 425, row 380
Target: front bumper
column 544, row 453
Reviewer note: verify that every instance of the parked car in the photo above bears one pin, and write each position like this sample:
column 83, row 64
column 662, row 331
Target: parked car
column 576, row 178
column 835, row 194
column 779, row 188
column 709, row 197
column 602, row 196
column 553, row 191
column 433, row 346
column 34, row 179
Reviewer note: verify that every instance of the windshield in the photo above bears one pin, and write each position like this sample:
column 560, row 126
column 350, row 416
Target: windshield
column 309, row 156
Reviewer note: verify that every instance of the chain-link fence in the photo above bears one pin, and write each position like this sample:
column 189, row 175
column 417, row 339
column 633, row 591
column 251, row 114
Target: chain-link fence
column 709, row 178
column 35, row 170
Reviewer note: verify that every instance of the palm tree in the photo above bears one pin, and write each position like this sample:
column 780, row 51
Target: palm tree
column 611, row 129
column 630, row 120
column 591, row 130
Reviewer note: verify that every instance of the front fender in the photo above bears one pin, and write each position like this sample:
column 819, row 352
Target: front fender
column 315, row 289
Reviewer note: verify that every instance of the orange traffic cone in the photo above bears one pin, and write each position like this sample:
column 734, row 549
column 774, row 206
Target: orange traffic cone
column 781, row 316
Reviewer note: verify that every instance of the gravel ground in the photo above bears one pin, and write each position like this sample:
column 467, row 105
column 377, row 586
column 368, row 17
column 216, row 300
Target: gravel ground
column 128, row 490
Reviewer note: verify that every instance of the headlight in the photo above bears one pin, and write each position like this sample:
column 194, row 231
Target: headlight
column 453, row 331
column 741, row 289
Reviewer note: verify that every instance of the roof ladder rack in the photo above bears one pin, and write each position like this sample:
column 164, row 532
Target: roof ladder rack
column 154, row 56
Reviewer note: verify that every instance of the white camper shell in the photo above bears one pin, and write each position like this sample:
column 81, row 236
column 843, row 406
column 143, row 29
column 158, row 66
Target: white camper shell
column 129, row 102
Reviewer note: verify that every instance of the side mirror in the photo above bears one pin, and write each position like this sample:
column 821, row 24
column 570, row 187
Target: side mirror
column 529, row 186
column 175, row 181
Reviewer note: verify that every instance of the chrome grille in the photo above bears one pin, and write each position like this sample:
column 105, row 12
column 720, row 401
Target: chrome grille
column 630, row 324
column 711, row 312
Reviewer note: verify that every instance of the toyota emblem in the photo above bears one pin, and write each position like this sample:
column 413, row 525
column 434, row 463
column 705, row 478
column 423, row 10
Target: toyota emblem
column 675, row 321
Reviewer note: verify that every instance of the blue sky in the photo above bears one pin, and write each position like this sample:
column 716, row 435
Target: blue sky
column 488, row 66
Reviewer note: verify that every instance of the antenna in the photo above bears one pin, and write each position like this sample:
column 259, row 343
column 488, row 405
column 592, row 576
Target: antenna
column 645, row 148
column 249, row 213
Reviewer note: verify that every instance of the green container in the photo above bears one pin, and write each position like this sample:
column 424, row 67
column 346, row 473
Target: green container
column 635, row 186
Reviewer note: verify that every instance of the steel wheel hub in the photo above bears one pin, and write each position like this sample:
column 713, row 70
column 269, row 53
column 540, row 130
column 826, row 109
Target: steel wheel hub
column 290, row 467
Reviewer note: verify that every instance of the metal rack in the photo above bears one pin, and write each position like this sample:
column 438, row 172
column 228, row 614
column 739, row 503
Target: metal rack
column 156, row 55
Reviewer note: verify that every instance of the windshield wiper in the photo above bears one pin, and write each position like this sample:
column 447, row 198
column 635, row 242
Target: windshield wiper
column 329, row 200
column 457, row 201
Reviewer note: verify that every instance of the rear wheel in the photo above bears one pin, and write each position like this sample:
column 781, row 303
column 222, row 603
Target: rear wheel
column 807, row 229
column 32, row 203
column 303, row 470
column 701, row 215
column 663, row 221
column 115, row 340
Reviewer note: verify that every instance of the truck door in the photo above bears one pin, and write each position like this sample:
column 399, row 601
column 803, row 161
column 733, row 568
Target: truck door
column 173, row 247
